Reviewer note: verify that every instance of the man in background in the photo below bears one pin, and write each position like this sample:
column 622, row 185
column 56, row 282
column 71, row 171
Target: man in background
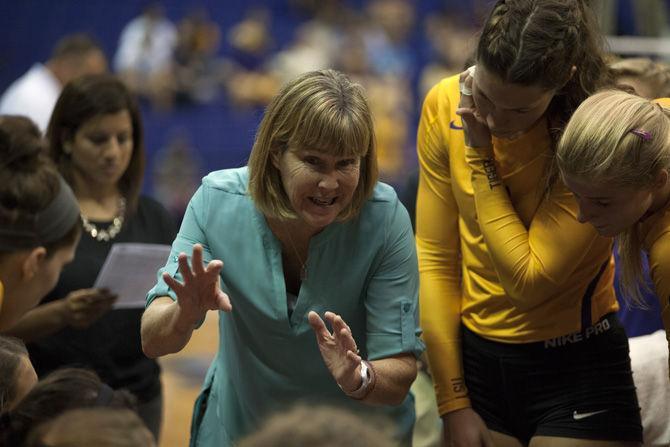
column 35, row 93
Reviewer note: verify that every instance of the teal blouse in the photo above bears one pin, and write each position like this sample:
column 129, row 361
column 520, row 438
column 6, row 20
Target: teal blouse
column 364, row 269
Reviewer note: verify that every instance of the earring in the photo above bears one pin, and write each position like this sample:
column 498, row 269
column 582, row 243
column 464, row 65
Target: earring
column 67, row 148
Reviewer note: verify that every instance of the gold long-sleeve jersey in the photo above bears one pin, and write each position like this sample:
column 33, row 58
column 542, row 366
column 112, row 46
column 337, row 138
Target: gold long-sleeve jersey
column 510, row 262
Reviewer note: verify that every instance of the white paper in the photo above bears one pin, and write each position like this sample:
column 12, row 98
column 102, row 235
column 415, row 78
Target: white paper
column 130, row 272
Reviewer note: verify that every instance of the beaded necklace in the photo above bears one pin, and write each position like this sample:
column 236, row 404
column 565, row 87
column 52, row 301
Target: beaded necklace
column 109, row 233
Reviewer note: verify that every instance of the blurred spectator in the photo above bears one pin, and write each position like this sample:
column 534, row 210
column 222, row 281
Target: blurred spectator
column 198, row 72
column 386, row 37
column 308, row 426
column 351, row 56
column 99, row 427
column 17, row 375
column 391, row 100
column 145, row 56
column 648, row 78
column 248, row 83
column 313, row 47
column 62, row 390
column 250, row 39
column 375, row 49
column 633, row 17
column 316, row 43
column 451, row 42
column 388, row 87
column 177, row 174
column 256, row 76
column 35, row 93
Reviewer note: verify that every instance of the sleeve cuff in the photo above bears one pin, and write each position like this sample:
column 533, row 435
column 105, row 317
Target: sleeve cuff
column 450, row 406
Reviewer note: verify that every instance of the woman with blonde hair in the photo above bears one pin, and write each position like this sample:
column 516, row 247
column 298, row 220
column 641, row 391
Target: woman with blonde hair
column 615, row 157
column 649, row 79
column 305, row 231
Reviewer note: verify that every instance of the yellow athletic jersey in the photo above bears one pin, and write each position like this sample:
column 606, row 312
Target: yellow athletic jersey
column 509, row 262
column 655, row 236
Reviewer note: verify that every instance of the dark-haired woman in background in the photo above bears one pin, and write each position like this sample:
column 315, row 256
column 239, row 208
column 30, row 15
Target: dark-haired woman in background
column 95, row 138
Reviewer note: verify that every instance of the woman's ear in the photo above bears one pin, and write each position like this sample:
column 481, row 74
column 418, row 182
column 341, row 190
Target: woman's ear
column 573, row 70
column 33, row 262
column 661, row 179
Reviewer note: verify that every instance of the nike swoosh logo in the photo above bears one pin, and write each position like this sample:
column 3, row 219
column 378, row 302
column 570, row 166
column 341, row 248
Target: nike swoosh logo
column 453, row 125
column 578, row 416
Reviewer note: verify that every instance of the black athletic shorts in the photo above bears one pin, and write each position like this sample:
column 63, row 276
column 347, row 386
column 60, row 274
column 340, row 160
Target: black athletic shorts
column 575, row 386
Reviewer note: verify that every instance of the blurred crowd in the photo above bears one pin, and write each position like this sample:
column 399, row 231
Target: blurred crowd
column 396, row 49
column 174, row 64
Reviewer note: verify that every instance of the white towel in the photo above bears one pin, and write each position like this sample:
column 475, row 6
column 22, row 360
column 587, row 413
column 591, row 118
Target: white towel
column 649, row 361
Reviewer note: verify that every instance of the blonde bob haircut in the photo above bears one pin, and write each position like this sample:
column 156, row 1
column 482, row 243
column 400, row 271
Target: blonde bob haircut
column 620, row 140
column 323, row 111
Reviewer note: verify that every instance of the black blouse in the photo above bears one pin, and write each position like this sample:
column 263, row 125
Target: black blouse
column 112, row 345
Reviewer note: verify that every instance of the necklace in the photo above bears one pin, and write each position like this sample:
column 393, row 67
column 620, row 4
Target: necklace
column 303, row 267
column 109, row 233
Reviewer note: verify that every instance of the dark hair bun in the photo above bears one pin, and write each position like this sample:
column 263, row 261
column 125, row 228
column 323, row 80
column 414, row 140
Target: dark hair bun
column 21, row 143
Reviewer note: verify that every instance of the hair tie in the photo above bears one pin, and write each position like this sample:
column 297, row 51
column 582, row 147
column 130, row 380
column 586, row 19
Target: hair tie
column 645, row 135
column 44, row 227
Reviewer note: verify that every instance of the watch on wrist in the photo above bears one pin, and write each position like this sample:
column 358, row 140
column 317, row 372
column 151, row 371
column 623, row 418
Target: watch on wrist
column 367, row 377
